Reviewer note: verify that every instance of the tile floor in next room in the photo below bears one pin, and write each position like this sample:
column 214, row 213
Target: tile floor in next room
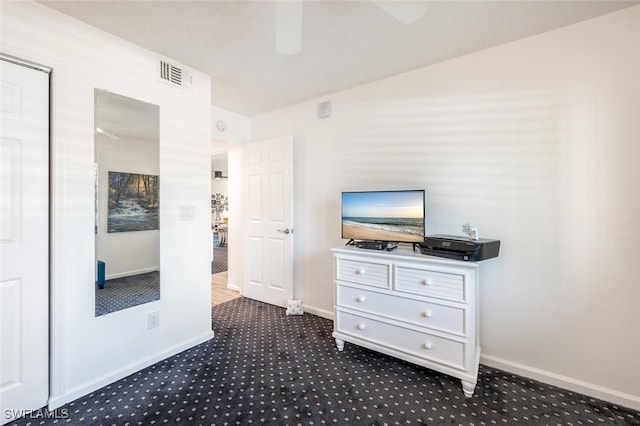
column 219, row 291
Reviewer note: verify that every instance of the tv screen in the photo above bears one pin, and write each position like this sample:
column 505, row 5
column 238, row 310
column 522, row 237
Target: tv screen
column 393, row 216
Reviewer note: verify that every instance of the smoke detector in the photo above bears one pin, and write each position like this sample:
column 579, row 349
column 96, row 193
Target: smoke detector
column 221, row 125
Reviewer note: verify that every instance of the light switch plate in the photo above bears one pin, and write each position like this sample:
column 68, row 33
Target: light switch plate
column 187, row 213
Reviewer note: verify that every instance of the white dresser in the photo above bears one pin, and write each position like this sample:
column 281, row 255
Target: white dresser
column 418, row 308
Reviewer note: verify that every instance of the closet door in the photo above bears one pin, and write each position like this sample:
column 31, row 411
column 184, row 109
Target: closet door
column 24, row 239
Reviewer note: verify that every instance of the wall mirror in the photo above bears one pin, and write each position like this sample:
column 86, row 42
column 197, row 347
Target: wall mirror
column 127, row 203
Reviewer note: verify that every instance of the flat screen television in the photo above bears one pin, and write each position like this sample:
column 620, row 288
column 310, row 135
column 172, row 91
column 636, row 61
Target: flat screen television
column 391, row 216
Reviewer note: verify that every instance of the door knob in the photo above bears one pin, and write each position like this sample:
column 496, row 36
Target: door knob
column 285, row 231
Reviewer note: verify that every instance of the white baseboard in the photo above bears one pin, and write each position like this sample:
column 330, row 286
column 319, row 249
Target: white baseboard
column 233, row 287
column 589, row 389
column 87, row 388
column 319, row 312
column 130, row 273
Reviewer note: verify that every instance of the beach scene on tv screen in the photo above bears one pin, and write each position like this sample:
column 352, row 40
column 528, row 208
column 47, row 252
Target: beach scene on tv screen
column 384, row 216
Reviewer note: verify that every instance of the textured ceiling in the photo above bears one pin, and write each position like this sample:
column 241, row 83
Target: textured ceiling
column 344, row 43
column 126, row 118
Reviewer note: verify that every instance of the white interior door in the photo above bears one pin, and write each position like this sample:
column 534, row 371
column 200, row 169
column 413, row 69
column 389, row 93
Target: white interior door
column 24, row 240
column 268, row 239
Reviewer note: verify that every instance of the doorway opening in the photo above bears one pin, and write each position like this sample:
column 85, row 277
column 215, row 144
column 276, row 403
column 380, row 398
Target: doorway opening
column 220, row 291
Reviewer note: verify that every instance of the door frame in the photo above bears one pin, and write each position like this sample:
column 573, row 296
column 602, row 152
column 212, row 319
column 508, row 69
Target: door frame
column 57, row 280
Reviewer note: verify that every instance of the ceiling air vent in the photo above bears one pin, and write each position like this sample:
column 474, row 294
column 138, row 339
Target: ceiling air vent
column 172, row 74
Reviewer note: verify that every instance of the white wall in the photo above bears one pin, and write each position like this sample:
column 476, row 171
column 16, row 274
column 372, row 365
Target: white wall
column 125, row 253
column 238, row 127
column 89, row 352
column 534, row 142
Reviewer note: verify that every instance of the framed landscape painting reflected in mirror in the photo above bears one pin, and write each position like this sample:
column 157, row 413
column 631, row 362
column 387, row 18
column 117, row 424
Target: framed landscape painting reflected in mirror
column 133, row 202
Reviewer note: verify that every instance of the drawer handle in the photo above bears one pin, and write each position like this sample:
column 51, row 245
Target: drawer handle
column 360, row 299
column 360, row 271
column 360, row 327
column 427, row 314
column 427, row 281
column 428, row 345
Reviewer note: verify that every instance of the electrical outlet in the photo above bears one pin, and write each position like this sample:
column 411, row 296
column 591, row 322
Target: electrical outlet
column 153, row 319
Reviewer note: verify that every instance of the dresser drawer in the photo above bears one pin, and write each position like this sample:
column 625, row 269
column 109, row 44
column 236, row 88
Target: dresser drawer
column 423, row 345
column 443, row 285
column 418, row 312
column 363, row 272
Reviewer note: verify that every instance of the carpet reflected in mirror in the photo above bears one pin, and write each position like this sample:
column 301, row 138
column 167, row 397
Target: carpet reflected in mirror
column 126, row 292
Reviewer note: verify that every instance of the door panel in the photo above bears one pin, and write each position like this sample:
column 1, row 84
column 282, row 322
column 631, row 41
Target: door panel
column 9, row 190
column 276, row 198
column 24, row 240
column 268, row 245
column 277, row 250
column 255, row 203
column 255, row 266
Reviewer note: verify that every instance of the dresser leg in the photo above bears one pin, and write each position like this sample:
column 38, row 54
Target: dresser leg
column 340, row 344
column 468, row 388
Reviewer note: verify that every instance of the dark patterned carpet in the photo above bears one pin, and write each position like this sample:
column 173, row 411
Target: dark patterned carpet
column 219, row 263
column 126, row 292
column 266, row 368
column 220, row 254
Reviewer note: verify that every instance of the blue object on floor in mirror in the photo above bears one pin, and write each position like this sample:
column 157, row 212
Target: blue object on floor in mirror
column 101, row 272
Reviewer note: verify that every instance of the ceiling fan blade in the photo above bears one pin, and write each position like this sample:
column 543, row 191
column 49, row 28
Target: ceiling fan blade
column 406, row 12
column 289, row 27
column 106, row 133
